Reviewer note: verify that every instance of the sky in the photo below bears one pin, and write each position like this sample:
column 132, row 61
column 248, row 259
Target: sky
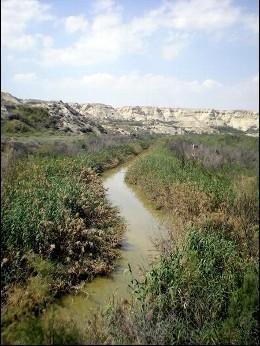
column 167, row 53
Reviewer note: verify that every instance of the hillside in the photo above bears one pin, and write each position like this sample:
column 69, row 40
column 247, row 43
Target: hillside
column 98, row 118
column 25, row 116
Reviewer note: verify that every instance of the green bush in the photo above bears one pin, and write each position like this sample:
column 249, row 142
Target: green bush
column 204, row 293
column 57, row 229
column 14, row 126
column 57, row 209
column 194, row 191
column 24, row 119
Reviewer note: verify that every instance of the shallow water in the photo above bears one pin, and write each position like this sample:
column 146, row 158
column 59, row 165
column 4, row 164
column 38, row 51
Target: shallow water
column 143, row 227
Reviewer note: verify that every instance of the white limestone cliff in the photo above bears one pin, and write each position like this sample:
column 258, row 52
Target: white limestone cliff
column 172, row 120
column 130, row 119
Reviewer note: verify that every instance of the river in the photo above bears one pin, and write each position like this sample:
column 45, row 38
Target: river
column 144, row 226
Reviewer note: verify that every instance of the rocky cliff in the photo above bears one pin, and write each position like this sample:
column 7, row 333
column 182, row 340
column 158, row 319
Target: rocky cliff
column 97, row 117
column 62, row 116
column 174, row 120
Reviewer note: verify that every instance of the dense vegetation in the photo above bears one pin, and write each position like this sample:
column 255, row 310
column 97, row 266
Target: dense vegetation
column 57, row 229
column 206, row 290
column 202, row 293
column 31, row 120
column 22, row 119
column 64, row 144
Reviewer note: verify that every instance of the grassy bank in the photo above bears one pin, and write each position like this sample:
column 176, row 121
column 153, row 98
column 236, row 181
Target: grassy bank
column 214, row 185
column 204, row 291
column 57, row 229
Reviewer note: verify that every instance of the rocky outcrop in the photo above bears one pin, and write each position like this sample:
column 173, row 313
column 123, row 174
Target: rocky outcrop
column 96, row 117
column 7, row 98
column 69, row 119
column 65, row 117
column 177, row 120
column 8, row 102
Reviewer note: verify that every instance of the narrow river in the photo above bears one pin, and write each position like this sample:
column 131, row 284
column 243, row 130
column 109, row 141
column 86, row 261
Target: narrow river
column 144, row 226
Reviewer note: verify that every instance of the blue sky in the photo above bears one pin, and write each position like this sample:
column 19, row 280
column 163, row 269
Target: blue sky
column 177, row 53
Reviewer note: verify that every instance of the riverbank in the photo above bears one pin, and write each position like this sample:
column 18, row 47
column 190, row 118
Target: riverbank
column 58, row 229
column 205, row 291
column 138, row 251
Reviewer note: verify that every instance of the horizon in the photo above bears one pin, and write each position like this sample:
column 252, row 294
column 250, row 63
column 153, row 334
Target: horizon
column 189, row 54
column 132, row 106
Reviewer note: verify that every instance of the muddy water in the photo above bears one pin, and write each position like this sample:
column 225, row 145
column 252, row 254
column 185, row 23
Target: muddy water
column 138, row 250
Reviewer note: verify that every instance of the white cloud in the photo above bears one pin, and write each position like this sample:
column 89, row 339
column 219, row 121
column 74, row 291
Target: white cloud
column 251, row 21
column 190, row 15
column 202, row 14
column 170, row 51
column 46, row 40
column 210, row 83
column 109, row 37
column 105, row 41
column 106, row 37
column 75, row 23
column 25, row 77
column 174, row 44
column 182, row 18
column 104, row 5
column 149, row 23
column 155, row 90
column 16, row 16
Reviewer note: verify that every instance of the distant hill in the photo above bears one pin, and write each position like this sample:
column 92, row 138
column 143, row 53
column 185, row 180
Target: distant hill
column 19, row 115
column 7, row 98
column 24, row 116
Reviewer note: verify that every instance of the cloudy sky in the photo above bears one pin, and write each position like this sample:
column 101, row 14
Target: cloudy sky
column 178, row 53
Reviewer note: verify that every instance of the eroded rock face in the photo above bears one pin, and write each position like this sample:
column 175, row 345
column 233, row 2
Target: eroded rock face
column 67, row 118
column 178, row 120
column 7, row 98
column 70, row 119
column 97, row 117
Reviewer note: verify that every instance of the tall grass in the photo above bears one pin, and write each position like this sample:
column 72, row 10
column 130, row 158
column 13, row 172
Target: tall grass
column 201, row 193
column 58, row 229
column 48, row 203
column 205, row 291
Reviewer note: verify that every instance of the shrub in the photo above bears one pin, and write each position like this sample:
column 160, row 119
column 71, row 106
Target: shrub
column 213, row 156
column 62, row 216
column 54, row 328
column 203, row 293
column 28, row 119
column 206, row 292
column 14, row 126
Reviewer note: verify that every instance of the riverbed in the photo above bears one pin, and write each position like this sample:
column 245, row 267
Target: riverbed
column 138, row 248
